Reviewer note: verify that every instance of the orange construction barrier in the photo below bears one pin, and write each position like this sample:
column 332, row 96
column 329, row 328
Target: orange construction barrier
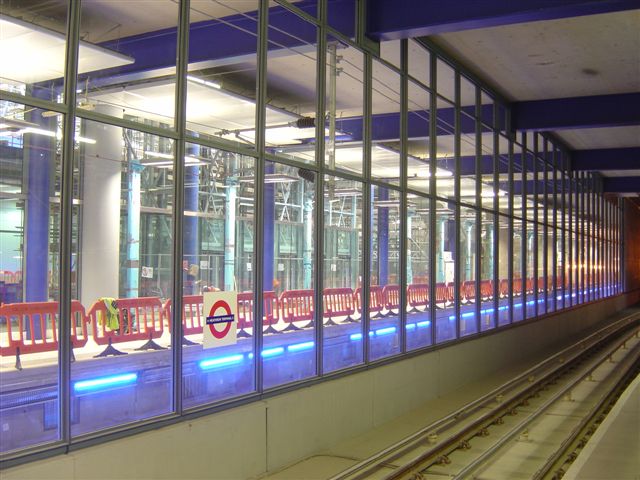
column 297, row 306
column 418, row 296
column 338, row 302
column 486, row 289
column 391, row 298
column 23, row 320
column 376, row 300
column 271, row 312
column 193, row 318
column 138, row 319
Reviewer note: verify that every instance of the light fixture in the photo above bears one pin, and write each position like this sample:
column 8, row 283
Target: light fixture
column 206, row 83
column 271, row 178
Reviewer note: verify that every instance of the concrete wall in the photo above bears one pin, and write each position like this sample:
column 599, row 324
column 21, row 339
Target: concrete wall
column 267, row 435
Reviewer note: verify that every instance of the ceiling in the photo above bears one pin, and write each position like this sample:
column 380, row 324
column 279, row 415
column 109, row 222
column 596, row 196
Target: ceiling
column 550, row 59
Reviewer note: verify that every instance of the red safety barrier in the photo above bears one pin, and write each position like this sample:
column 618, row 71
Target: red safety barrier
column 418, row 296
column 504, row 288
column 270, row 313
column 486, row 289
column 391, row 298
column 517, row 287
column 193, row 318
column 444, row 295
column 23, row 320
column 338, row 302
column 541, row 284
column 529, row 285
column 138, row 318
column 297, row 306
column 9, row 277
column 376, row 300
column 468, row 291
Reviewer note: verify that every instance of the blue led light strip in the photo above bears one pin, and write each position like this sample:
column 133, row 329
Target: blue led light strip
column 105, row 382
column 221, row 361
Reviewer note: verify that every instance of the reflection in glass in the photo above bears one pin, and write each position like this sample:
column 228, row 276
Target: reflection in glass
column 384, row 288
column 288, row 274
column 123, row 232
column 418, row 304
column 342, row 288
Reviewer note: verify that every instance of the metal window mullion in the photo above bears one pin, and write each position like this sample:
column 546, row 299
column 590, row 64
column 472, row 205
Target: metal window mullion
column 433, row 150
column 525, row 224
column 182, row 59
column 496, row 219
column 404, row 106
column 545, row 225
column 510, row 228
column 587, row 236
column 569, row 181
column 554, row 232
column 258, row 247
column 478, row 232
column 583, row 238
column 321, row 67
column 563, row 223
column 458, row 221
column 367, row 201
column 66, row 222
column 535, row 224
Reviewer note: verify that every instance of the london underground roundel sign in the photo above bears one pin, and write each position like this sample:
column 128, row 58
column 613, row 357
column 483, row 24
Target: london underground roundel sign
column 220, row 309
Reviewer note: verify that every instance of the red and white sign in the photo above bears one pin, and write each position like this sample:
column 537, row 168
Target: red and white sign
column 221, row 324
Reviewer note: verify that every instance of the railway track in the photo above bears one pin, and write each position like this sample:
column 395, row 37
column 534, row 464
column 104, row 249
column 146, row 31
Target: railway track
column 531, row 427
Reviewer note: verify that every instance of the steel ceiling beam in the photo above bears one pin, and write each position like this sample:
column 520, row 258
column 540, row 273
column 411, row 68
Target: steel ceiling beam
column 391, row 20
column 621, row 184
column 577, row 112
column 606, row 159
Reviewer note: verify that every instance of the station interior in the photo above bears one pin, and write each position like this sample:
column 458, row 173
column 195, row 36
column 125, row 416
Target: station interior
column 368, row 195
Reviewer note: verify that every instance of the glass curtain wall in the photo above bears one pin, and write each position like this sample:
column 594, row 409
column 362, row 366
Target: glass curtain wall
column 187, row 226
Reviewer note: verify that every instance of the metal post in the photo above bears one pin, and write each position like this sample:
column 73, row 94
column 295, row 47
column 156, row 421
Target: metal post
column 457, row 147
column 66, row 221
column 182, row 59
column 258, row 237
column 433, row 150
column 478, row 209
column 404, row 106
column 366, row 203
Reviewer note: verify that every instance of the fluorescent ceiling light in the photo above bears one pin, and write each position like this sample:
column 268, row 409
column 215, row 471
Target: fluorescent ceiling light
column 271, row 178
column 32, row 54
column 207, row 83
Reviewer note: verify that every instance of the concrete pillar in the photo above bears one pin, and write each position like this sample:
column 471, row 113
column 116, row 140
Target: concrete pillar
column 100, row 236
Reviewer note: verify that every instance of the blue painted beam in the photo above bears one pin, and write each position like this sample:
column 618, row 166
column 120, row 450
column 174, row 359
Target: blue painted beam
column 621, row 184
column 219, row 40
column 389, row 20
column 606, row 159
column 577, row 112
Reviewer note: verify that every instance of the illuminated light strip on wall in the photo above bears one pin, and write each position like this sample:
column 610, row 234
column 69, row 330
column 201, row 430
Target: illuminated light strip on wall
column 385, row 331
column 300, row 346
column 211, row 363
column 426, row 323
column 272, row 352
column 105, row 382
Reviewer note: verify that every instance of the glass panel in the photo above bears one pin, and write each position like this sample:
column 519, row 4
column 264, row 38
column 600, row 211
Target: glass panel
column 390, row 51
column 504, row 257
column 445, row 140
column 468, row 251
column 385, row 124
column 519, row 280
column 29, row 259
column 343, row 264
column 445, row 273
column 291, row 87
column 385, row 273
column 123, row 264
column 218, row 256
column 418, row 144
column 288, row 276
column 418, row 304
column 221, row 84
column 134, row 41
column 419, row 62
column 344, row 104
column 341, row 16
column 470, row 147
column 33, row 44
column 445, row 80
column 487, row 282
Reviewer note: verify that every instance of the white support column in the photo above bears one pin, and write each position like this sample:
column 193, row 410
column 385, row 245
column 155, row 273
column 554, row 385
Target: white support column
column 100, row 252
